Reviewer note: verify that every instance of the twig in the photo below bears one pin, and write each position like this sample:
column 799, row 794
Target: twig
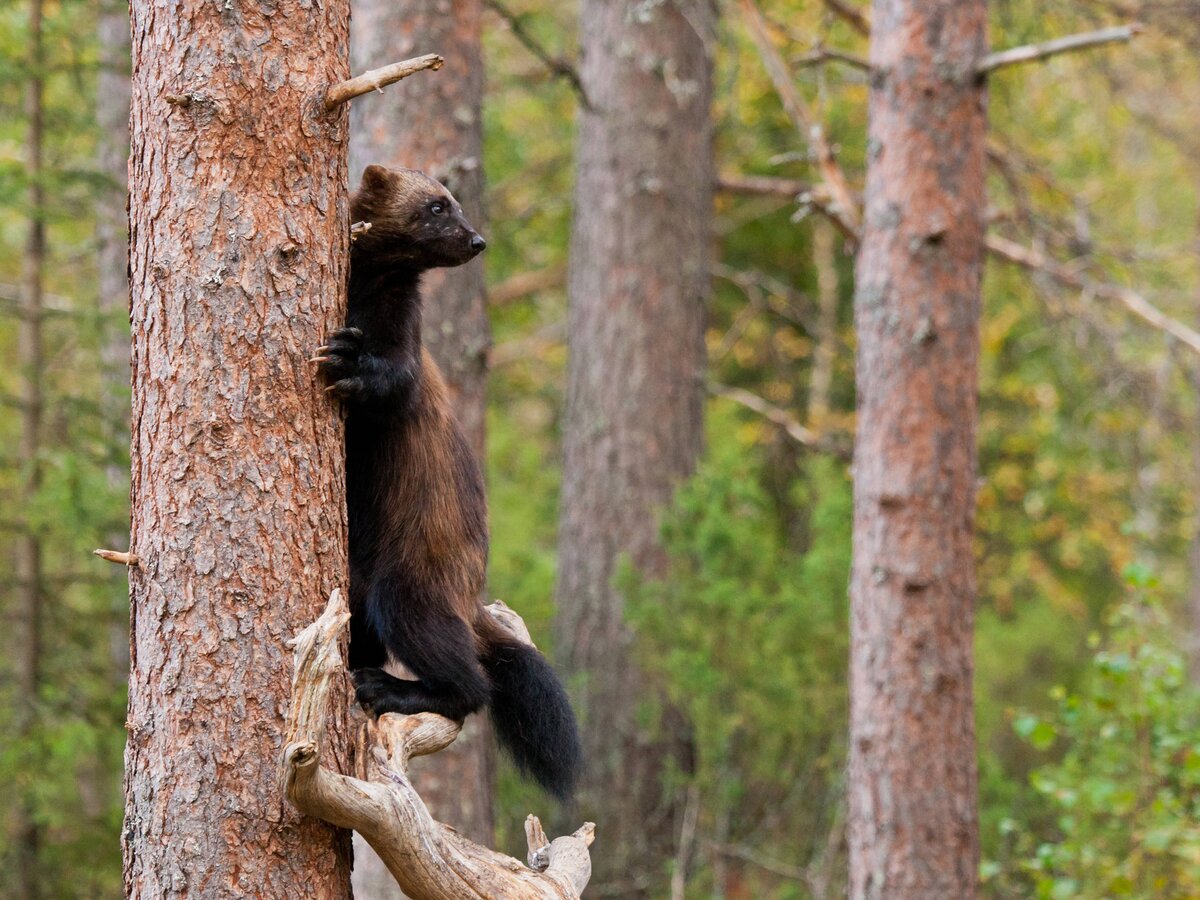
column 1037, row 52
column 556, row 65
column 1036, row 261
column 378, row 79
column 118, row 556
column 768, row 411
column 766, row 185
column 849, row 14
column 827, row 54
column 842, row 207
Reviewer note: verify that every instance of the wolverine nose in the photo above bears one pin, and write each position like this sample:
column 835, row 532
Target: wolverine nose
column 478, row 244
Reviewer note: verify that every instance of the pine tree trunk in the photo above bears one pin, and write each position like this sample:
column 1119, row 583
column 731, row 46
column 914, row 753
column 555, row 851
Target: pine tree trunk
column 29, row 612
column 633, row 428
column 912, row 776
column 435, row 124
column 239, row 242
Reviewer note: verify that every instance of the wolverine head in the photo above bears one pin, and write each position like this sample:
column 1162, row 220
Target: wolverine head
column 415, row 222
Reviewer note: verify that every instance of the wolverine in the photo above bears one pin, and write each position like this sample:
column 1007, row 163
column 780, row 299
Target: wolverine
column 416, row 501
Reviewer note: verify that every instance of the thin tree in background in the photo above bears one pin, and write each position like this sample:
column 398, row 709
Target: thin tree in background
column 29, row 612
column 436, row 125
column 912, row 775
column 112, row 285
column 239, row 243
column 633, row 427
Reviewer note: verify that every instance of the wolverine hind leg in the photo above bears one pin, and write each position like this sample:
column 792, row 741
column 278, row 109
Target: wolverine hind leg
column 437, row 647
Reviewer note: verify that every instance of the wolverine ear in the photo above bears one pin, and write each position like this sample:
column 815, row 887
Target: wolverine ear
column 375, row 179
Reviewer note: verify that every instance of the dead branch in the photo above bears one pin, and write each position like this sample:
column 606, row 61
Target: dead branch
column 768, row 411
column 1035, row 261
column 429, row 860
column 1071, row 44
column 522, row 284
column 822, row 55
column 766, row 185
column 556, row 65
column 847, row 13
column 378, row 79
column 842, row 206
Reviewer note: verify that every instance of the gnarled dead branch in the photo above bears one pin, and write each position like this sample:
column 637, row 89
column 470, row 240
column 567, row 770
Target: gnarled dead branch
column 429, row 860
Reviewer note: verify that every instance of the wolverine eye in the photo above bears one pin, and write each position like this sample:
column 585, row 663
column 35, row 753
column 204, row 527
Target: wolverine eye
column 437, row 208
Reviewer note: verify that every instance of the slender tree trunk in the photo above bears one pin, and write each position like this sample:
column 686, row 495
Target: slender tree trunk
column 239, row 241
column 436, row 125
column 29, row 544
column 1193, row 599
column 825, row 263
column 912, row 776
column 112, row 233
column 112, row 282
column 633, row 425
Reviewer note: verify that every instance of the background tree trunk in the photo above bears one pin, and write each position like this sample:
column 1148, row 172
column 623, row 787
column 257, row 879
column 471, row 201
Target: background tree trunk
column 29, row 613
column 239, row 230
column 435, row 124
column 912, row 776
column 112, row 282
column 633, row 429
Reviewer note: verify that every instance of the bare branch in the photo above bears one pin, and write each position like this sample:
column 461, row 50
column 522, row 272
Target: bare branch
column 429, row 860
column 522, row 284
column 766, row 185
column 828, row 54
column 850, row 14
column 768, row 411
column 842, row 205
column 556, row 65
column 1037, row 52
column 1036, row 261
column 378, row 79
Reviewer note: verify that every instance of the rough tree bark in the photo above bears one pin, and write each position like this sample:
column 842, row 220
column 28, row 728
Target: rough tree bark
column 239, row 234
column 912, row 777
column 28, row 617
column 436, row 125
column 638, row 283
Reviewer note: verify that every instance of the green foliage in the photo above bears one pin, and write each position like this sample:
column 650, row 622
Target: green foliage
column 748, row 634
column 1122, row 791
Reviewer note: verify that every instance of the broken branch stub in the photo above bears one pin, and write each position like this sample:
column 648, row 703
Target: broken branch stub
column 429, row 860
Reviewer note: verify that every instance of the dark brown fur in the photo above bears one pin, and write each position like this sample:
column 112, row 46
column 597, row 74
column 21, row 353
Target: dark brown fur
column 416, row 501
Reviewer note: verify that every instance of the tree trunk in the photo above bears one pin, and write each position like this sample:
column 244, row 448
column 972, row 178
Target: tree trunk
column 239, row 243
column 436, row 125
column 912, row 776
column 112, row 283
column 28, row 631
column 633, row 428
column 112, row 233
column 825, row 354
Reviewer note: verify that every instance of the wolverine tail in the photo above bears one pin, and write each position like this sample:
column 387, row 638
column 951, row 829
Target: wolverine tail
column 532, row 716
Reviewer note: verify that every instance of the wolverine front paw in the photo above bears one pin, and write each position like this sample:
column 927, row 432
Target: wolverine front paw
column 338, row 363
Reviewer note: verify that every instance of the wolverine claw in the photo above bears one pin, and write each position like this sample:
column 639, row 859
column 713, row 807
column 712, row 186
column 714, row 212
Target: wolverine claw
column 346, row 388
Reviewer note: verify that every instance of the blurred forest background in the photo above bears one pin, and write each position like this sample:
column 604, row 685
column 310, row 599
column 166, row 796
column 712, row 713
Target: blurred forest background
column 1088, row 637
